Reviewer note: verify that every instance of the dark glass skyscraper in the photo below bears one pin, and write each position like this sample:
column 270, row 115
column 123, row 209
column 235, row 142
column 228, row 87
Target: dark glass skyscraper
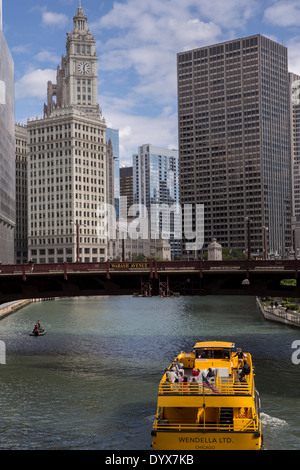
column 126, row 187
column 7, row 152
column 234, row 141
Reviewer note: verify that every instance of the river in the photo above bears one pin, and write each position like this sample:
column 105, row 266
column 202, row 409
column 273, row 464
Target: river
column 91, row 382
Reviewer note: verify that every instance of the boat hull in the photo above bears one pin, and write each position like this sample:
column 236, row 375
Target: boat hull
column 165, row 440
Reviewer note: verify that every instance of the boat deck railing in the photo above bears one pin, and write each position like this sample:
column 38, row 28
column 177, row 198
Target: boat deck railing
column 250, row 425
column 219, row 387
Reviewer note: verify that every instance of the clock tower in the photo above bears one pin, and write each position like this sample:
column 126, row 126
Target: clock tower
column 67, row 149
column 77, row 77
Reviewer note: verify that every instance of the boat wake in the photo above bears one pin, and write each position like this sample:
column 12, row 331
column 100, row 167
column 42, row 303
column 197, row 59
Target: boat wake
column 150, row 418
column 272, row 422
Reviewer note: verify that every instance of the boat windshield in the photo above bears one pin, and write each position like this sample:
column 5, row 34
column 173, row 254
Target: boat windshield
column 206, row 353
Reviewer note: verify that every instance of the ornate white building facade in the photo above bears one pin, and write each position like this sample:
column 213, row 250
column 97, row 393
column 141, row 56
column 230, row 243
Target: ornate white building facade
column 67, row 160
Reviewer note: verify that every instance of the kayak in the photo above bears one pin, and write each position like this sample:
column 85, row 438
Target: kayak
column 37, row 333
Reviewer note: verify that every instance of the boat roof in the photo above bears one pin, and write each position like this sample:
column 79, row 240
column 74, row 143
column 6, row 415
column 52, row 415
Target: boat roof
column 214, row 344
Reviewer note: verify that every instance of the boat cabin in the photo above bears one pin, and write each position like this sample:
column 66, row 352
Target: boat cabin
column 213, row 350
column 214, row 354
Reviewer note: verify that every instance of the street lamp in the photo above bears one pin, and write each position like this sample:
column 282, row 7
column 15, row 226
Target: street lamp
column 247, row 219
column 265, row 241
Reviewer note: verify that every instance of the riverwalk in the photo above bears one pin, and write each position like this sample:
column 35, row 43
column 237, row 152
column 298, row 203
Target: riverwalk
column 11, row 307
column 279, row 314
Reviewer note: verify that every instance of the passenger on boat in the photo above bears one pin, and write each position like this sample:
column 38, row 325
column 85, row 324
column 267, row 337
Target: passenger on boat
column 176, row 385
column 171, row 375
column 178, row 364
column 240, row 356
column 195, row 372
column 184, row 381
column 177, row 367
column 210, row 373
column 197, row 379
column 196, row 385
column 245, row 371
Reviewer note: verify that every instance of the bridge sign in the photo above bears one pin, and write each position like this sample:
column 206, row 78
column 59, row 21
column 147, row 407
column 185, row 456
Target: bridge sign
column 127, row 265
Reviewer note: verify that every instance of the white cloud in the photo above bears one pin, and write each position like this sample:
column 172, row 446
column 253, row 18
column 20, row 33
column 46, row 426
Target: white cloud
column 54, row 19
column 144, row 38
column 293, row 55
column 160, row 130
column 283, row 13
column 34, row 84
column 137, row 44
column 230, row 13
column 47, row 56
column 21, row 49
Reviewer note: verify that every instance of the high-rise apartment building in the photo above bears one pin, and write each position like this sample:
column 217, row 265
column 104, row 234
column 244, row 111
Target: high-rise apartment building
column 234, row 141
column 7, row 151
column 67, row 160
column 294, row 81
column 156, row 184
column 21, row 248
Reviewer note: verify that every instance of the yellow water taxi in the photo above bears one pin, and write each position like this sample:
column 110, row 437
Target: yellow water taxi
column 207, row 400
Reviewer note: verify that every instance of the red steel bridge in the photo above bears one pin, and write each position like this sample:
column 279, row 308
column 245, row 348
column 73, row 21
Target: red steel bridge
column 165, row 278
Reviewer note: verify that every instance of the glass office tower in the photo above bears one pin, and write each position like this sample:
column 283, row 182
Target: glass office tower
column 156, row 184
column 7, row 152
column 234, row 141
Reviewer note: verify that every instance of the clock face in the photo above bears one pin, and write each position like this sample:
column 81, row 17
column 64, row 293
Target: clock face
column 83, row 68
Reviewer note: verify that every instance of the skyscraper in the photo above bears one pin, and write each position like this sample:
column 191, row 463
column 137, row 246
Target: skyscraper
column 67, row 160
column 155, row 184
column 113, row 136
column 234, row 141
column 7, row 151
column 294, row 81
column 21, row 249
column 126, row 188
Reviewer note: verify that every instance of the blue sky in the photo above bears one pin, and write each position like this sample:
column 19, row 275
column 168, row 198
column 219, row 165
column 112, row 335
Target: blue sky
column 137, row 43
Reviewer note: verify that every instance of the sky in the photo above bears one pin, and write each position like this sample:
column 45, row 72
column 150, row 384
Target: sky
column 137, row 43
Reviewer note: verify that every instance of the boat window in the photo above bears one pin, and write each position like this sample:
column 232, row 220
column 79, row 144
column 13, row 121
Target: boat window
column 200, row 353
column 212, row 353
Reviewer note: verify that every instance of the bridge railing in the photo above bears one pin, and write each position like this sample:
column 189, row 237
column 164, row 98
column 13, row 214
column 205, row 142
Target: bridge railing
column 50, row 267
column 284, row 264
column 158, row 266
